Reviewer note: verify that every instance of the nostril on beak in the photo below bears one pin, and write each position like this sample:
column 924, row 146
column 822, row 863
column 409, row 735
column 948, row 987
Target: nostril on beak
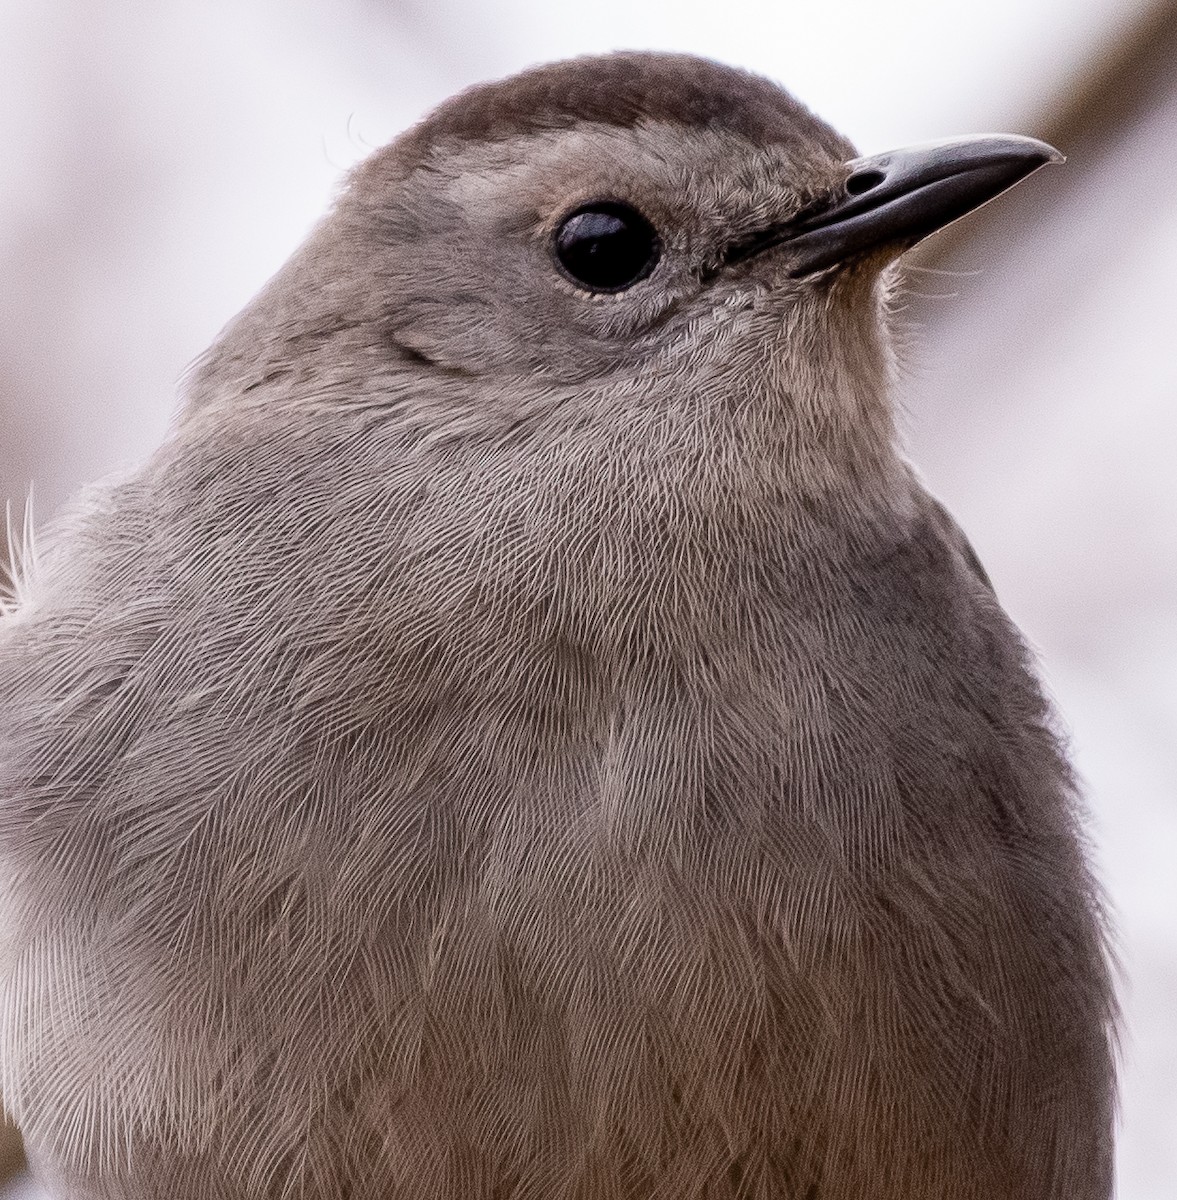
column 863, row 181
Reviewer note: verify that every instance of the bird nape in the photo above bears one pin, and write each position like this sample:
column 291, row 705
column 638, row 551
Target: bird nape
column 528, row 733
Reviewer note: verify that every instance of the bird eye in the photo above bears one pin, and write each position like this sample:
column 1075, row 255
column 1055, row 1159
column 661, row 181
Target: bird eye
column 606, row 247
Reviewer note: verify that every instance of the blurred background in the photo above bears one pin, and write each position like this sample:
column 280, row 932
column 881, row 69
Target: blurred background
column 161, row 158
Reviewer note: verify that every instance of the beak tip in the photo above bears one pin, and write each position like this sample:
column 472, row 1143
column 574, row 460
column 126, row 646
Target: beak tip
column 1051, row 155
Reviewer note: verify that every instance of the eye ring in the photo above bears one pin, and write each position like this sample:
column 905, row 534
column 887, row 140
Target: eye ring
column 606, row 246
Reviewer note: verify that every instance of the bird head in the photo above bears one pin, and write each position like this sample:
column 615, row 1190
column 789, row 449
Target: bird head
column 608, row 242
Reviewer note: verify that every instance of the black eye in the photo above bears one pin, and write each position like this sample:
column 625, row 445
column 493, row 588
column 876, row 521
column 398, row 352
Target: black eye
column 607, row 247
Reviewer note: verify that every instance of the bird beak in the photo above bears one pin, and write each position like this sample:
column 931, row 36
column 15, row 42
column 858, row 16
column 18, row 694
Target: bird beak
column 897, row 199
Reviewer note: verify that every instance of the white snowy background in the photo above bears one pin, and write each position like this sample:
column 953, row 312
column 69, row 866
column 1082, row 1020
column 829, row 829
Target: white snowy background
column 161, row 158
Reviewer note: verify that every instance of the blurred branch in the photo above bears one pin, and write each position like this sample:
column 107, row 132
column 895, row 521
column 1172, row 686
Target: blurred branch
column 1134, row 75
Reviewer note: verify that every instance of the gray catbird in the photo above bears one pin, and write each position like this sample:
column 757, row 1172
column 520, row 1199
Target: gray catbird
column 528, row 735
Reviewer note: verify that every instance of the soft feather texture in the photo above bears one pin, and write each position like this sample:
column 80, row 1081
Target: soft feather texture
column 510, row 743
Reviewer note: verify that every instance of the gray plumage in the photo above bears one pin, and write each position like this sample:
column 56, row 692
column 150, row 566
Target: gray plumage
column 511, row 742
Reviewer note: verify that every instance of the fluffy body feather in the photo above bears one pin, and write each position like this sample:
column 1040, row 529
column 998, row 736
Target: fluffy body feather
column 505, row 745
